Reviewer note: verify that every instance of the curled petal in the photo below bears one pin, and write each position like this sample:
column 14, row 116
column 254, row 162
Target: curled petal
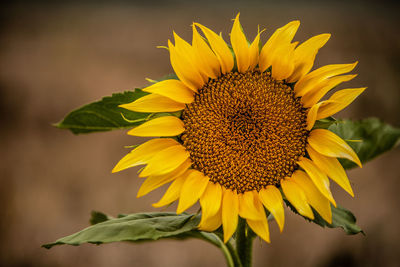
column 319, row 178
column 280, row 38
column 219, row 47
column 338, row 101
column 209, row 62
column 312, row 116
column 315, row 94
column 331, row 167
column 143, row 153
column 189, row 196
column 211, row 199
column 173, row 192
column 210, row 203
column 250, row 206
column 155, row 181
column 331, row 145
column 315, row 78
column 183, row 68
column 297, row 197
column 282, row 63
column 212, row 223
column 314, row 197
column 173, row 89
column 304, row 56
column 154, row 103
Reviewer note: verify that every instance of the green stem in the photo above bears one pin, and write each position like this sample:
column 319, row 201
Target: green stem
column 244, row 243
column 234, row 254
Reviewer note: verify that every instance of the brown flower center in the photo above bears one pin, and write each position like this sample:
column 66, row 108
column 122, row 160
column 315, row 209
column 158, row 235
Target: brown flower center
column 245, row 130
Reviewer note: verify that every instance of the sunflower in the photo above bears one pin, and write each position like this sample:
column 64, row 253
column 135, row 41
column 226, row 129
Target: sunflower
column 244, row 139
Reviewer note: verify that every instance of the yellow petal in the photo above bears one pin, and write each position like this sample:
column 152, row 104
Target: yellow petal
column 250, row 206
column 186, row 51
column 314, row 197
column 162, row 126
column 304, row 56
column 331, row 145
column 165, row 161
column 261, row 228
column 172, row 193
column 230, row 211
column 210, row 203
column 209, row 62
column 312, row 116
column 153, row 103
column 331, row 167
column 297, row 197
column 316, row 93
column 283, row 63
column 272, row 199
column 319, row 178
column 314, row 78
column 155, row 181
column 281, row 37
column 219, row 47
column 255, row 51
column 173, row 89
column 143, row 153
column 338, row 101
column 192, row 189
column 240, row 46
column 211, row 199
column 183, row 69
column 328, row 71
column 212, row 223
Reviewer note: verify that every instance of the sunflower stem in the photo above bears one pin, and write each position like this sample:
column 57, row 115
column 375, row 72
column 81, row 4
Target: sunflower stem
column 234, row 254
column 244, row 243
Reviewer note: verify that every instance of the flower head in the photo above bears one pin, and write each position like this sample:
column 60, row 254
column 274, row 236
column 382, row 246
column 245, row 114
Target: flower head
column 245, row 137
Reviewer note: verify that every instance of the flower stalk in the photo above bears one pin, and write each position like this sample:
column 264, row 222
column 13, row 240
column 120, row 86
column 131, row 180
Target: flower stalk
column 244, row 243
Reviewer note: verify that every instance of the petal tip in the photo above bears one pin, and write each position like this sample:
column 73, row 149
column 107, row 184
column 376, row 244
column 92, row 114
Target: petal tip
column 180, row 209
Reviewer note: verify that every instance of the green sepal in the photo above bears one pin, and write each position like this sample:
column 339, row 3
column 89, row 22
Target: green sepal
column 324, row 123
column 341, row 218
column 368, row 137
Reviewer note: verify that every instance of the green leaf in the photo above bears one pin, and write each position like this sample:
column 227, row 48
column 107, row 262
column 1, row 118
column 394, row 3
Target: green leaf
column 105, row 115
column 134, row 227
column 368, row 137
column 341, row 218
column 141, row 227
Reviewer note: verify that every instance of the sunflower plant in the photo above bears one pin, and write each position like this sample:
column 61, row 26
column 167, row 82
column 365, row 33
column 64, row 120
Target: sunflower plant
column 244, row 129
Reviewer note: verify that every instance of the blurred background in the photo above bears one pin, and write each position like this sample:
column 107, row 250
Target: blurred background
column 59, row 55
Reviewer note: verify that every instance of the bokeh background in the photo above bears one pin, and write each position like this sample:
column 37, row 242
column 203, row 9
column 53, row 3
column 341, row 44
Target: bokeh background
column 58, row 55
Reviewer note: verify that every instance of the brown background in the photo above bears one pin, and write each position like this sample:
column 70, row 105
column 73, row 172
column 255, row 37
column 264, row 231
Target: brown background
column 55, row 58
